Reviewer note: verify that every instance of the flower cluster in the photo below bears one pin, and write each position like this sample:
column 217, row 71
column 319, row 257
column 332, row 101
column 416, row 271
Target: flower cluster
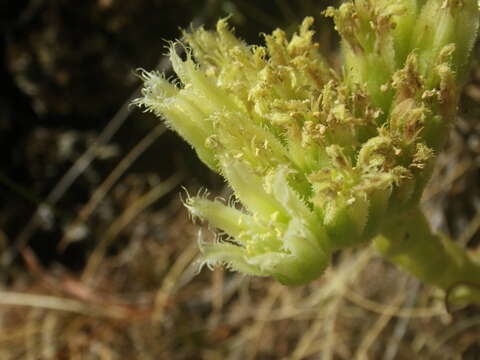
column 317, row 158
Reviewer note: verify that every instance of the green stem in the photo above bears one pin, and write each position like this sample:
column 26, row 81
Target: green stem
column 408, row 242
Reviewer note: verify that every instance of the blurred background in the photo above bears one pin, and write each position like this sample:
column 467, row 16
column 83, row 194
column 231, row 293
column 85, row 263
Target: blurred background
column 97, row 253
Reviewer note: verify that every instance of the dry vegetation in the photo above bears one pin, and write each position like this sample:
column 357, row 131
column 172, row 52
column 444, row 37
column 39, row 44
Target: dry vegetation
column 98, row 254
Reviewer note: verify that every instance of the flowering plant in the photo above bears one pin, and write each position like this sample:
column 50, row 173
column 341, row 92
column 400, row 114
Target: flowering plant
column 320, row 159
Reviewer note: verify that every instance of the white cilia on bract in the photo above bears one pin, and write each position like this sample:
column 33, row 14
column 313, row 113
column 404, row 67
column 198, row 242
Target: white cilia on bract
column 322, row 160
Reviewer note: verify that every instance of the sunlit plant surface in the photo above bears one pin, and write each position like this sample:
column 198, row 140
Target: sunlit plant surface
column 319, row 159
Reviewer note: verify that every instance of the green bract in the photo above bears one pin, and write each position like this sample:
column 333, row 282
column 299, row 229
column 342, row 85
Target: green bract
column 319, row 159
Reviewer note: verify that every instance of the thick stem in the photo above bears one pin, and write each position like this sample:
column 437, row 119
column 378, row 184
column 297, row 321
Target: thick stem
column 408, row 242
